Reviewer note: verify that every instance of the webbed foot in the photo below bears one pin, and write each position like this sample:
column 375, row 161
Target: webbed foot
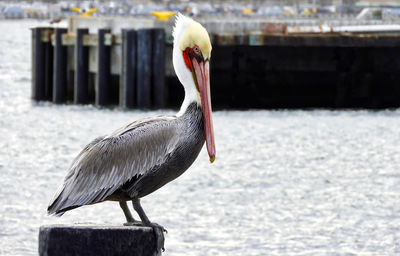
column 158, row 229
column 159, row 233
column 133, row 223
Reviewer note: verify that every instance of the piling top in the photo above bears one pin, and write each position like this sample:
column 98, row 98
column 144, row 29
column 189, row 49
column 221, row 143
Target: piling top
column 96, row 226
column 94, row 239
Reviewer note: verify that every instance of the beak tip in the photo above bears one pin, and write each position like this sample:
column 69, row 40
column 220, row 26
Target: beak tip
column 212, row 158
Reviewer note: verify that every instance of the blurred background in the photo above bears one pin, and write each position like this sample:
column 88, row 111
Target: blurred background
column 323, row 9
column 306, row 97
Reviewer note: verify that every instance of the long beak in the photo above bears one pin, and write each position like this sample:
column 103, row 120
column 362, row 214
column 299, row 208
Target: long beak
column 202, row 72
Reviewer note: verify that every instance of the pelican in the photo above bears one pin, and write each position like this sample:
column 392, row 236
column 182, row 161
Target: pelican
column 144, row 155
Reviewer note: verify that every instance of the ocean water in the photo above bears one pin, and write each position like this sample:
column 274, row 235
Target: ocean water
column 284, row 182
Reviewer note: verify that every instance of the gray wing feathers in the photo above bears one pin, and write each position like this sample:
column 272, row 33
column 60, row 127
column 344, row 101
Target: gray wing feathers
column 107, row 163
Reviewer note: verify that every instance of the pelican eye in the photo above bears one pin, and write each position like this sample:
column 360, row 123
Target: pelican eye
column 196, row 50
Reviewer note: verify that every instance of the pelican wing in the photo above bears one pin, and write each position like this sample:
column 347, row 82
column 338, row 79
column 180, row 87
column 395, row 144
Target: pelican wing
column 107, row 163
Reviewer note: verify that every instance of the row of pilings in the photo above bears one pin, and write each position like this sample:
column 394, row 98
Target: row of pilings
column 133, row 68
column 61, row 69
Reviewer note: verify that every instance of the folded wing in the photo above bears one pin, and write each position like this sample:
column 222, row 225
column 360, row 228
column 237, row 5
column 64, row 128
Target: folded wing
column 107, row 163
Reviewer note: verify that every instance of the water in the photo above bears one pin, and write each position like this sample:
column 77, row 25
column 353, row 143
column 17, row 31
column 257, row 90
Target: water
column 284, row 182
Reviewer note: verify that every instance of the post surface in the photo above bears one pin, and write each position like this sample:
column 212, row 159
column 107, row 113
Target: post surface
column 81, row 85
column 128, row 76
column 49, row 62
column 103, row 76
column 158, row 67
column 144, row 45
column 96, row 240
column 38, row 65
column 60, row 68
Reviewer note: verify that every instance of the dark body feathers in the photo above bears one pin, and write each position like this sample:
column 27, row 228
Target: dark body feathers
column 133, row 161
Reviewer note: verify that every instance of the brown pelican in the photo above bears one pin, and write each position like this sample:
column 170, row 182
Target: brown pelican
column 143, row 156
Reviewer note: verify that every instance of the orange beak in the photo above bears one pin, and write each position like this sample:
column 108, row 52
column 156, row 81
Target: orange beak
column 202, row 75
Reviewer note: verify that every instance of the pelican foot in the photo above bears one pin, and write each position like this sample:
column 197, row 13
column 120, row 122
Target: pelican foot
column 159, row 233
column 133, row 223
column 158, row 229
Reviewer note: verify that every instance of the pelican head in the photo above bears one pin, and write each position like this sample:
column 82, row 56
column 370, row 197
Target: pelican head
column 191, row 56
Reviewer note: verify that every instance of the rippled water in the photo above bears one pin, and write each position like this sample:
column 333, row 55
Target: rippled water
column 284, row 182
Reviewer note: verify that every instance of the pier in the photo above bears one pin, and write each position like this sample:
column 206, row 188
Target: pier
column 127, row 62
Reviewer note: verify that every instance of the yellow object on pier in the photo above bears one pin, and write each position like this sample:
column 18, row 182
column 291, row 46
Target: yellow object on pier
column 247, row 11
column 84, row 13
column 163, row 15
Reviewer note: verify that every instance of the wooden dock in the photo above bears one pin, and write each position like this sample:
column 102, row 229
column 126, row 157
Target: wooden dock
column 127, row 62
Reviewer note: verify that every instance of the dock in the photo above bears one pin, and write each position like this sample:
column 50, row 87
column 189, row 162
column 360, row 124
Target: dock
column 127, row 62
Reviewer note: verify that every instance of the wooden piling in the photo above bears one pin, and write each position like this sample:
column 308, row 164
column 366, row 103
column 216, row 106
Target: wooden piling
column 49, row 63
column 103, row 77
column 144, row 45
column 158, row 68
column 60, row 86
column 127, row 88
column 70, row 73
column 81, row 91
column 38, row 64
column 96, row 240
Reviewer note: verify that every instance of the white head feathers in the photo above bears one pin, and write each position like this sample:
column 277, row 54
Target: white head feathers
column 181, row 24
column 188, row 33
